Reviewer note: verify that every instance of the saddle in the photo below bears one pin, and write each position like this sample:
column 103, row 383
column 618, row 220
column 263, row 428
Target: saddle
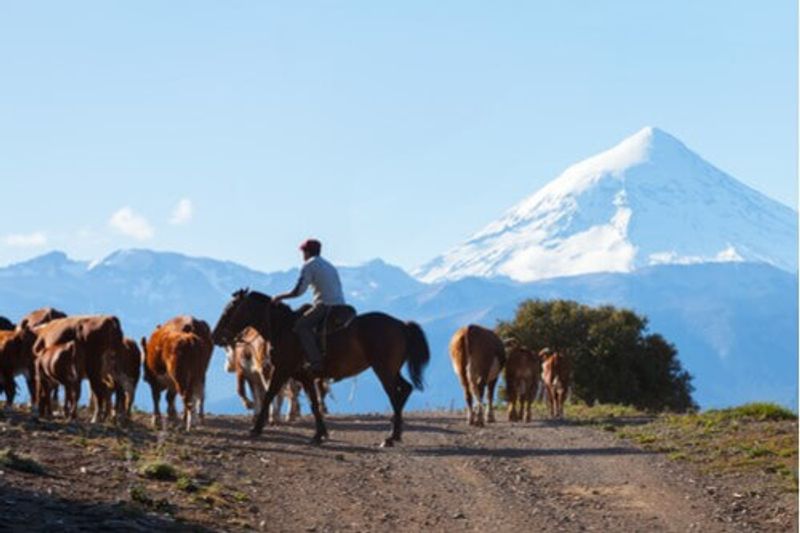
column 337, row 318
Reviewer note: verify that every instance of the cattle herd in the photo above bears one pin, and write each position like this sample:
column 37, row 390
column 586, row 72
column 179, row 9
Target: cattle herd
column 479, row 356
column 52, row 350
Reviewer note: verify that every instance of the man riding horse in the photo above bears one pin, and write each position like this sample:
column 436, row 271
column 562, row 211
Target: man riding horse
column 326, row 287
column 352, row 343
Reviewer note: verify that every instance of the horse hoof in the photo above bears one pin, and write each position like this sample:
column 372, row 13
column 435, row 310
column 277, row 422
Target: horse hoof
column 388, row 443
column 255, row 433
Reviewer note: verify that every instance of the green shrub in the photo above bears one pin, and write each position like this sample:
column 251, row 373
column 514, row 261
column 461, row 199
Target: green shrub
column 159, row 470
column 756, row 411
column 613, row 357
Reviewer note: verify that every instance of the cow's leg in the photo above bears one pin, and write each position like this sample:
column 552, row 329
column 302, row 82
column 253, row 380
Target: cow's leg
column 188, row 406
column 10, row 388
column 98, row 389
column 321, row 431
column 258, row 391
column 76, row 397
column 465, row 385
column 478, row 389
column 241, row 390
column 276, row 408
column 511, row 397
column 200, row 400
column 130, row 398
column 155, row 391
column 470, row 410
column 551, row 401
column 490, row 392
column 172, row 411
column 30, row 381
column 41, row 392
column 294, row 401
column 275, row 385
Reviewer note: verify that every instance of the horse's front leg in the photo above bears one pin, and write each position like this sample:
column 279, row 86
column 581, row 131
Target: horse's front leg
column 275, row 386
column 311, row 390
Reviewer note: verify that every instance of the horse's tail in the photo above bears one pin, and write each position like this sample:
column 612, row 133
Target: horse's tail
column 418, row 352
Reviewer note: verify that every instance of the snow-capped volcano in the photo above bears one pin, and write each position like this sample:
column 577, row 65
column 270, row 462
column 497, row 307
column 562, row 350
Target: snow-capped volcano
column 647, row 201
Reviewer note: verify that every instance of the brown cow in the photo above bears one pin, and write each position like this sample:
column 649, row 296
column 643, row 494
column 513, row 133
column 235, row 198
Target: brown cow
column 556, row 370
column 523, row 369
column 16, row 358
column 98, row 339
column 176, row 359
column 478, row 357
column 125, row 371
column 41, row 316
column 58, row 365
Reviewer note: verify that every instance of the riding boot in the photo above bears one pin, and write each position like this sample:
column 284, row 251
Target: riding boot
column 313, row 355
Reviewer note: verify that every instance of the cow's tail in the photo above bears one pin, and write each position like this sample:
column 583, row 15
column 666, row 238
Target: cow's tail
column 418, row 353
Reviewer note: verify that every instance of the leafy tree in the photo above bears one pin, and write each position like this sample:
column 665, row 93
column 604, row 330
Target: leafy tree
column 614, row 358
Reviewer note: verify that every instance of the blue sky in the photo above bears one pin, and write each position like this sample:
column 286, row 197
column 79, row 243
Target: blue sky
column 390, row 130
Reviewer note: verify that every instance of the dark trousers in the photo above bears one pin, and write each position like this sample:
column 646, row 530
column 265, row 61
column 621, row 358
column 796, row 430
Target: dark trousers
column 304, row 327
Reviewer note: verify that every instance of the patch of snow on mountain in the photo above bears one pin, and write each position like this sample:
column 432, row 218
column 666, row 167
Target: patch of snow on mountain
column 649, row 200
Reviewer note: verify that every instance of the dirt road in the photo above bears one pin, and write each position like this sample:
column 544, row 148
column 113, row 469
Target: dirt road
column 444, row 477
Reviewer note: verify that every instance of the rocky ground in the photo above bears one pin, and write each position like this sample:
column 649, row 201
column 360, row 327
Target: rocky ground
column 445, row 476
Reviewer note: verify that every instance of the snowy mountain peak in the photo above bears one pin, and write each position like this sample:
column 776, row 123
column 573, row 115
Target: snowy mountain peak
column 648, row 200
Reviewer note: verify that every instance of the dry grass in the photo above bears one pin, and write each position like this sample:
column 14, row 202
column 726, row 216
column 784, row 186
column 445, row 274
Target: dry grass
column 749, row 439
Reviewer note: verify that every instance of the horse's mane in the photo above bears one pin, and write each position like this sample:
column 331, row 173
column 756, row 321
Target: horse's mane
column 284, row 311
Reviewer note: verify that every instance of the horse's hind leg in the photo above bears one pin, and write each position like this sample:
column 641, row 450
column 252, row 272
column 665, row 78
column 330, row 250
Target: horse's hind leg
column 490, row 416
column 398, row 390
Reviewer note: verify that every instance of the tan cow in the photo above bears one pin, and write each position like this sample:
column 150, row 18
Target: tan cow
column 556, row 376
column 98, row 339
column 478, row 357
column 248, row 358
column 176, row 359
column 522, row 372
column 58, row 365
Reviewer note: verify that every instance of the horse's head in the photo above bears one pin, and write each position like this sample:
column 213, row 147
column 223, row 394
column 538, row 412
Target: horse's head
column 246, row 308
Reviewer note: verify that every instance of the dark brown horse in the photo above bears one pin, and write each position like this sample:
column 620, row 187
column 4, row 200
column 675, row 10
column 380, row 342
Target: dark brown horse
column 374, row 340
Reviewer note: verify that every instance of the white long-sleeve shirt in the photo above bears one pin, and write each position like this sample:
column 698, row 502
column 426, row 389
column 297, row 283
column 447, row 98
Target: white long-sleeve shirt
column 324, row 281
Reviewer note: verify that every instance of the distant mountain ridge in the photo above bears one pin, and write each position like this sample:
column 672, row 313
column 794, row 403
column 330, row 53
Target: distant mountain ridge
column 734, row 324
column 647, row 201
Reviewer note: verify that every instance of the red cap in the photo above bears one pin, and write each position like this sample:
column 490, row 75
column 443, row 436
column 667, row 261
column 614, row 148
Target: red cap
column 312, row 246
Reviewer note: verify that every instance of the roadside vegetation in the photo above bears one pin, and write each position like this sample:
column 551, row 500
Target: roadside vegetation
column 751, row 439
column 614, row 358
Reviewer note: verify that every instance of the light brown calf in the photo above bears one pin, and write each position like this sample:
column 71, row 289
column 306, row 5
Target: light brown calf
column 478, row 357
column 248, row 358
column 58, row 365
column 556, row 376
column 523, row 369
